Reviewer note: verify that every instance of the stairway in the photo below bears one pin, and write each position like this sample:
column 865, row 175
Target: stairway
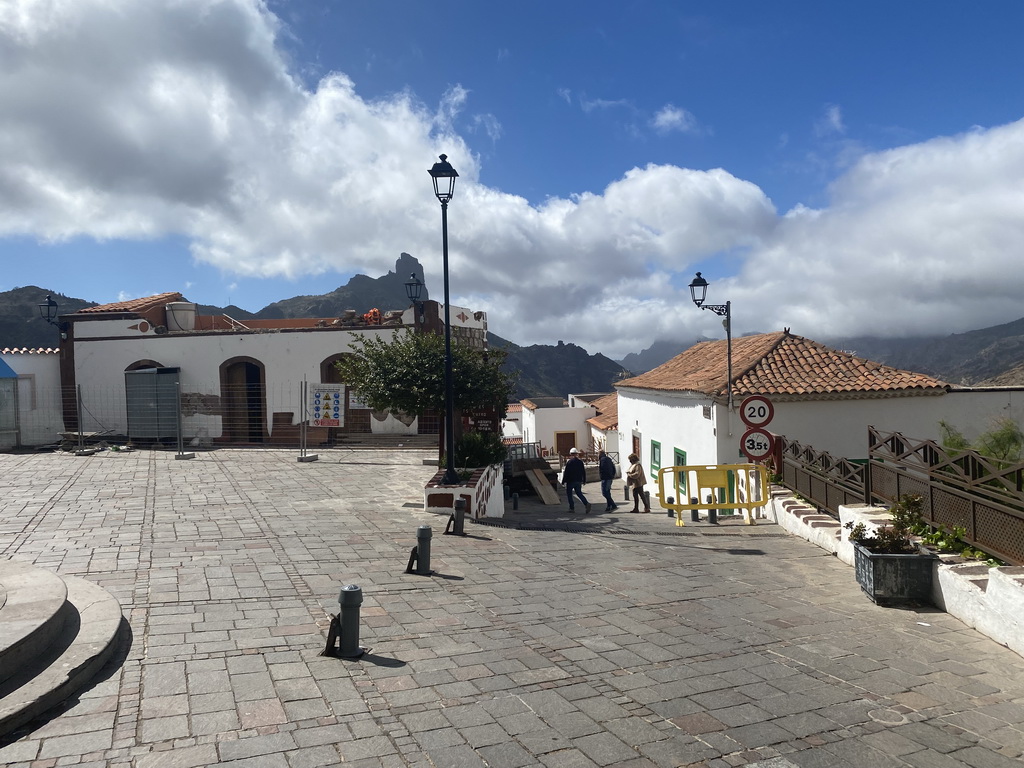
column 56, row 633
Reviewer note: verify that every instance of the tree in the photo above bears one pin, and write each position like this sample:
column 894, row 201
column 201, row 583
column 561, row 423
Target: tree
column 406, row 374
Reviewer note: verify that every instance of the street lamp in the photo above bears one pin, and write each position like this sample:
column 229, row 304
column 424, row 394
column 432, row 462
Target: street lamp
column 48, row 312
column 414, row 289
column 698, row 292
column 444, row 177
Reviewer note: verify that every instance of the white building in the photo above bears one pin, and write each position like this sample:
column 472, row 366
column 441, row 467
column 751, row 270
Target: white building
column 677, row 414
column 30, row 398
column 239, row 382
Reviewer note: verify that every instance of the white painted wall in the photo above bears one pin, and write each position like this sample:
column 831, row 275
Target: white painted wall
column 287, row 357
column 839, row 427
column 549, row 421
column 39, row 411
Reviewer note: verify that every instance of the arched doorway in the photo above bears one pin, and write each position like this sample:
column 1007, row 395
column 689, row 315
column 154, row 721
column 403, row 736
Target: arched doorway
column 243, row 400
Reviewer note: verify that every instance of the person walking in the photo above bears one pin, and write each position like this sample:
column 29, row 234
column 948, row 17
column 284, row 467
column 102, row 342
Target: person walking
column 607, row 471
column 636, row 479
column 573, row 477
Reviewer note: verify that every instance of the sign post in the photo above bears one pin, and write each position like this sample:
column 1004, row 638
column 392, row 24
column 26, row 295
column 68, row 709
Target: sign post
column 757, row 442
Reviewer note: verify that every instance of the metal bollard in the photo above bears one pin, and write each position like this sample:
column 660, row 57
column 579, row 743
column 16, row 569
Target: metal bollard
column 712, row 513
column 694, row 513
column 625, row 492
column 515, row 501
column 647, row 499
column 507, row 491
column 457, row 522
column 349, row 600
column 421, row 552
column 670, row 500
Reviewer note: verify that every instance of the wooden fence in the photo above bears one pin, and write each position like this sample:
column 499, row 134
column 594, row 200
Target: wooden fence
column 962, row 489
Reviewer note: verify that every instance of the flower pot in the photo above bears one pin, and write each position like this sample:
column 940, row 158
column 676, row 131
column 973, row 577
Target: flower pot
column 895, row 579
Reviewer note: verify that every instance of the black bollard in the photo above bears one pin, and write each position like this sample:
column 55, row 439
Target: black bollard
column 507, row 491
column 515, row 501
column 350, row 599
column 670, row 500
column 694, row 513
column 712, row 513
column 457, row 522
column 625, row 492
column 423, row 536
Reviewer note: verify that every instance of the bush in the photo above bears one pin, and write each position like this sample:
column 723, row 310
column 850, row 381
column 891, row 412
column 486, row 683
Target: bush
column 479, row 449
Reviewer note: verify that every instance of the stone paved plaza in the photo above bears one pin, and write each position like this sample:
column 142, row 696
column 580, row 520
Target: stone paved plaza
column 571, row 642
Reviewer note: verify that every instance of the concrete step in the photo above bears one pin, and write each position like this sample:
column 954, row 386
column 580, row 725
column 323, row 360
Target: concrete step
column 49, row 654
column 33, row 615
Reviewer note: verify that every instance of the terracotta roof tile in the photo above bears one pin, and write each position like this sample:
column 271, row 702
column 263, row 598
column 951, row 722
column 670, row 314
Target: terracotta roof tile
column 781, row 364
column 607, row 412
column 29, row 351
column 135, row 305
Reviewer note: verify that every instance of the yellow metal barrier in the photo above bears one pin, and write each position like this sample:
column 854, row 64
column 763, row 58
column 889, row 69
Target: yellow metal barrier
column 741, row 487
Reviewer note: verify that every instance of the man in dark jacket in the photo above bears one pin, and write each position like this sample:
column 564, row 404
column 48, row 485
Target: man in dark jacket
column 606, row 470
column 573, row 477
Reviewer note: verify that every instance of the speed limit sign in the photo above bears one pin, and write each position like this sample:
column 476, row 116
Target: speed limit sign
column 756, row 411
column 757, row 444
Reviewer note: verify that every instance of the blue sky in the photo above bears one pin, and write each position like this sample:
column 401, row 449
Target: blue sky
column 837, row 168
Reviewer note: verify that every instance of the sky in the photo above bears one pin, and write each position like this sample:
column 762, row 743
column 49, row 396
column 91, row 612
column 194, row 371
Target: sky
column 836, row 168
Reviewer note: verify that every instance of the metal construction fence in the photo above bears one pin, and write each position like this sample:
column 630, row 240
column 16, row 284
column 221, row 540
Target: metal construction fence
column 153, row 409
column 960, row 489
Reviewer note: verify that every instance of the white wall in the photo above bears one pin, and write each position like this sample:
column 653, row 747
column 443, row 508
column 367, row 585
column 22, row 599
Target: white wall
column 287, row 357
column 675, row 420
column 549, row 421
column 839, row 427
column 39, row 410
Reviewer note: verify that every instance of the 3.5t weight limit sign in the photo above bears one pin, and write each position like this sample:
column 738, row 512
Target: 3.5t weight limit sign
column 757, row 412
column 757, row 444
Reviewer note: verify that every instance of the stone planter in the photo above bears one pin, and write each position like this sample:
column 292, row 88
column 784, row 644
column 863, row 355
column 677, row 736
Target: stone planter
column 895, row 579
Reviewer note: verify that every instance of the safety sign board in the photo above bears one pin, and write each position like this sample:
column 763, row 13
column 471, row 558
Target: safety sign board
column 327, row 403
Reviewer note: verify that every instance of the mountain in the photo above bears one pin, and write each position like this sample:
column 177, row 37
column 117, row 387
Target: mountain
column 361, row 293
column 984, row 356
column 659, row 352
column 557, row 370
column 20, row 322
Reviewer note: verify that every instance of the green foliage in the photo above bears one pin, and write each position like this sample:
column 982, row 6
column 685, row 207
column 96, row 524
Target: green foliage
column 406, row 374
column 1003, row 442
column 479, row 449
column 896, row 537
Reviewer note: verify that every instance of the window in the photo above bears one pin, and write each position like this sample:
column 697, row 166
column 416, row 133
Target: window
column 655, row 456
column 679, row 460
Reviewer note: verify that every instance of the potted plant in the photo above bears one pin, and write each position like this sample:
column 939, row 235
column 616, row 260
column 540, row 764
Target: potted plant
column 891, row 568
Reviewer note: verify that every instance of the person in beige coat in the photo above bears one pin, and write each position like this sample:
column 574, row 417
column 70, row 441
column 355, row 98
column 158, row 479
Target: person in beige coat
column 636, row 479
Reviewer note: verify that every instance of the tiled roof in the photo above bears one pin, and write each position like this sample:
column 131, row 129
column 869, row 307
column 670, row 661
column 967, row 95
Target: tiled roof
column 135, row 305
column 782, row 364
column 607, row 412
column 29, row 351
column 513, row 408
column 534, row 403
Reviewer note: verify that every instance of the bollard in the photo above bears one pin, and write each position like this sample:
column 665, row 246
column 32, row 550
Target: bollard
column 346, row 624
column 625, row 493
column 421, row 552
column 647, row 499
column 694, row 513
column 670, row 500
column 712, row 513
column 507, row 491
column 457, row 522
column 515, row 501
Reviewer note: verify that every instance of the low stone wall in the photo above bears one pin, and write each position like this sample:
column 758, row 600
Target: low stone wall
column 989, row 599
column 482, row 493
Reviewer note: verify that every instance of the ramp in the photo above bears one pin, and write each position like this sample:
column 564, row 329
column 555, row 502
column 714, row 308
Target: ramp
column 541, row 485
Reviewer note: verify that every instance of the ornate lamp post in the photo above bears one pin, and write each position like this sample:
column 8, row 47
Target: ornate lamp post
column 414, row 289
column 698, row 292
column 48, row 312
column 444, row 188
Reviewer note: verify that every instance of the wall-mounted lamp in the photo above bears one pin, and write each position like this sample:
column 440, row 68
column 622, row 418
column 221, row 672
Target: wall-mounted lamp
column 698, row 292
column 48, row 312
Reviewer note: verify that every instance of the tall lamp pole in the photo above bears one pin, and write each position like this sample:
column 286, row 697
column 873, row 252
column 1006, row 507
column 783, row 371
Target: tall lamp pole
column 698, row 292
column 444, row 188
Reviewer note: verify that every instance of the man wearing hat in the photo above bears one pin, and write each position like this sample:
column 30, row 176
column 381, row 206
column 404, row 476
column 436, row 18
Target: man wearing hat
column 573, row 477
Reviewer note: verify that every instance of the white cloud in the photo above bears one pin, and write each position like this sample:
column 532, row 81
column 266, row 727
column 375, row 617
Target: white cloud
column 831, row 122
column 671, row 119
column 140, row 120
